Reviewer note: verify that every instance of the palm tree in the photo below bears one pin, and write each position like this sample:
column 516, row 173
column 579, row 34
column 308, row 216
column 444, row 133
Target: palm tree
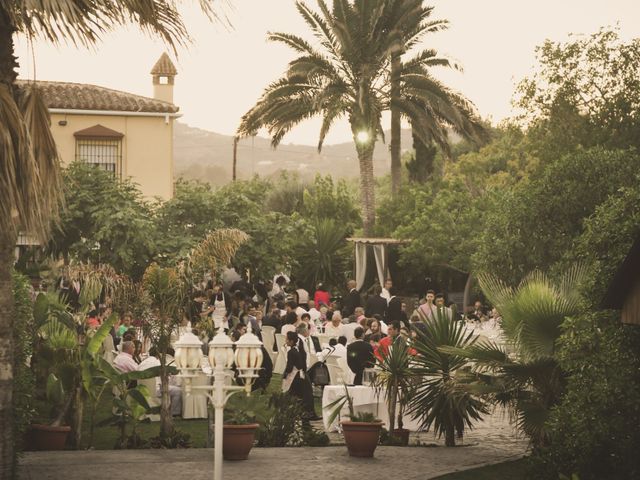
column 435, row 108
column 343, row 77
column 30, row 192
column 530, row 382
column 410, row 20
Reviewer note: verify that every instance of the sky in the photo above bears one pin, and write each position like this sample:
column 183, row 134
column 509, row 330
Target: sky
column 224, row 70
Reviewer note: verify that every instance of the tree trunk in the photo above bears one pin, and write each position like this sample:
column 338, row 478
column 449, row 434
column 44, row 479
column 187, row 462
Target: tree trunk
column 396, row 131
column 235, row 158
column 467, row 293
column 367, row 184
column 450, row 437
column 166, row 420
column 78, row 415
column 392, row 408
column 7, row 244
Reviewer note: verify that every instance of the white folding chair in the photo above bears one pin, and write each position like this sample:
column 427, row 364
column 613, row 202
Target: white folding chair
column 153, row 400
column 108, row 349
column 269, row 338
column 324, row 340
column 281, row 360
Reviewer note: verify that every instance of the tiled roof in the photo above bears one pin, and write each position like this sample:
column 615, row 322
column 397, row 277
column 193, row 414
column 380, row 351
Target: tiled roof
column 82, row 96
column 164, row 66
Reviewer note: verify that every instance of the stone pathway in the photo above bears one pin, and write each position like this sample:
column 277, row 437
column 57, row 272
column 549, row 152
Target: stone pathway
column 328, row 463
column 492, row 441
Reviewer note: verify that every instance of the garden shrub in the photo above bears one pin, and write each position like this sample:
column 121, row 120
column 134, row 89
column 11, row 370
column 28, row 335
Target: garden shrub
column 594, row 431
column 283, row 427
column 23, row 381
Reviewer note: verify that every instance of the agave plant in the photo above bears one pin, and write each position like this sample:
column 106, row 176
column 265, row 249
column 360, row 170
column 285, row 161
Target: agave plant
column 443, row 398
column 530, row 382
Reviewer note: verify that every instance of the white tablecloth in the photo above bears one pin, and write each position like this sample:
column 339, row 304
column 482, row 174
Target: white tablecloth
column 365, row 399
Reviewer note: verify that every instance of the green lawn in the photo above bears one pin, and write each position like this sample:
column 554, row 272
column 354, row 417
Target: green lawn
column 105, row 437
column 513, row 470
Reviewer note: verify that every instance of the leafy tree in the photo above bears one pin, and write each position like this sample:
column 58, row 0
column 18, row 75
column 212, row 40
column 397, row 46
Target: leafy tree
column 585, row 92
column 592, row 430
column 326, row 200
column 185, row 218
column 533, row 224
column 30, row 185
column 606, row 238
column 105, row 220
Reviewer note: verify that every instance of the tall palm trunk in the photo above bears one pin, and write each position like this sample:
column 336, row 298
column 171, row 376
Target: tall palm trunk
column 7, row 243
column 367, row 184
column 166, row 420
column 8, row 65
column 395, row 145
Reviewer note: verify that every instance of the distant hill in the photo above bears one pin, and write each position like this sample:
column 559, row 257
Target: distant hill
column 208, row 156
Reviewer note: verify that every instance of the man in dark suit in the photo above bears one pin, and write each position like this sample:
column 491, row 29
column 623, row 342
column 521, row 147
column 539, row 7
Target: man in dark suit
column 352, row 300
column 359, row 355
column 295, row 379
column 376, row 305
column 394, row 310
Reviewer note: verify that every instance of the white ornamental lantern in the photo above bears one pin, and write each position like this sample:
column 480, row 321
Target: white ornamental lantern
column 188, row 351
column 221, row 351
column 248, row 355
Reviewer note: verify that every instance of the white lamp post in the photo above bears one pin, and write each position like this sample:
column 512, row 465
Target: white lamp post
column 248, row 360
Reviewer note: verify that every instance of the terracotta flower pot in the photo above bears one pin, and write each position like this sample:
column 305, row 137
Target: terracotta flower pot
column 361, row 437
column 46, row 437
column 238, row 441
column 402, row 435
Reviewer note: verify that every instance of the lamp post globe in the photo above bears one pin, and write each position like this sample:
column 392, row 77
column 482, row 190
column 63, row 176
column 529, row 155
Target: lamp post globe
column 221, row 351
column 248, row 355
column 188, row 351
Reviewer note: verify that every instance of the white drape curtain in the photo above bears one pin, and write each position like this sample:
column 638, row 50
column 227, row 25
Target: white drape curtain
column 361, row 264
column 381, row 263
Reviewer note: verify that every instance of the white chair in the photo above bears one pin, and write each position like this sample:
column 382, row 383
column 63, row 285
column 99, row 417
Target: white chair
column 281, row 360
column 347, row 374
column 153, row 400
column 324, row 340
column 268, row 338
column 108, row 349
column 336, row 375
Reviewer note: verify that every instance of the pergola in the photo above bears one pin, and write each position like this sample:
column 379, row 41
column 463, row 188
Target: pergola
column 381, row 255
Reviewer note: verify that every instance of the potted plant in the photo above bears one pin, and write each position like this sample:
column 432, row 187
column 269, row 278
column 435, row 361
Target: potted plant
column 395, row 380
column 362, row 430
column 240, row 425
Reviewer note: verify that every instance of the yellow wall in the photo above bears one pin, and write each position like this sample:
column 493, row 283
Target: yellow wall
column 147, row 147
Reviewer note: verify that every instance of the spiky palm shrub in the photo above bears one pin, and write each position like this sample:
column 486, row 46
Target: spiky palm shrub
column 443, row 398
column 395, row 378
column 529, row 382
column 323, row 255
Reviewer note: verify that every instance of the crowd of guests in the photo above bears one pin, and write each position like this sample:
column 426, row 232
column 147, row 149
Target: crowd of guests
column 356, row 330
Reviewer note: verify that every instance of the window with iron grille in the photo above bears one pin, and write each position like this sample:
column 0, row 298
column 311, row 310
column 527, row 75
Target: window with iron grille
column 105, row 154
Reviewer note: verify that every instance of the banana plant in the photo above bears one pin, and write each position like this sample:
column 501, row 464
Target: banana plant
column 130, row 401
column 69, row 361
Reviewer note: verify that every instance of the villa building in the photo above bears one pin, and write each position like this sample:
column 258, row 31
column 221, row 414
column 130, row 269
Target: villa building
column 126, row 134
